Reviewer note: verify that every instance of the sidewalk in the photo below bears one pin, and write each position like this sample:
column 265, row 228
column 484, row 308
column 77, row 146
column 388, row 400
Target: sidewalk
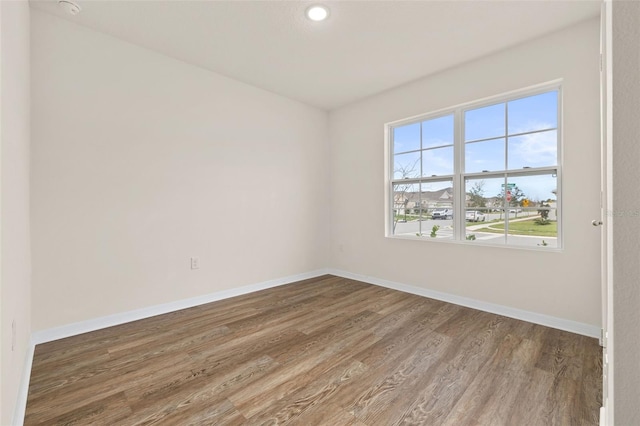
column 489, row 225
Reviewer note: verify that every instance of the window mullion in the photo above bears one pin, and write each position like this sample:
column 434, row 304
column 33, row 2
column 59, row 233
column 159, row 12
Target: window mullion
column 506, row 175
column 458, row 184
column 420, row 183
column 559, row 153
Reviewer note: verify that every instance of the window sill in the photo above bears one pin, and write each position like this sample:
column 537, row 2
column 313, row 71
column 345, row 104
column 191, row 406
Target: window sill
column 479, row 243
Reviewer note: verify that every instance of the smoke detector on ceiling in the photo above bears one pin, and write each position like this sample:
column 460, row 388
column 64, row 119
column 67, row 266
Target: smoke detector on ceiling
column 69, row 6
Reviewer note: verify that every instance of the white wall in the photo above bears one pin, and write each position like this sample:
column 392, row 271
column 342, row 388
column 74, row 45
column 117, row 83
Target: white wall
column 14, row 208
column 626, row 209
column 564, row 285
column 141, row 161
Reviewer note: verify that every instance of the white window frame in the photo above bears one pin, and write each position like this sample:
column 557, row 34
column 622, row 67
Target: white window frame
column 459, row 176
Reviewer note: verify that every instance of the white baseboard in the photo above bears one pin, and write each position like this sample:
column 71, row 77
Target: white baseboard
column 68, row 330
column 74, row 329
column 23, row 392
column 546, row 320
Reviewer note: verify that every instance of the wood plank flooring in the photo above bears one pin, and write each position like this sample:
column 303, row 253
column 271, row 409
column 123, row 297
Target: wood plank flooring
column 325, row 351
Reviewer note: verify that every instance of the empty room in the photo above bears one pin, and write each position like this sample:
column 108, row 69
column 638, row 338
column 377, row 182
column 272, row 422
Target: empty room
column 319, row 213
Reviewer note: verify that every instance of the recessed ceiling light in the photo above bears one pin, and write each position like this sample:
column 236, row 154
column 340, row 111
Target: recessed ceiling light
column 318, row 12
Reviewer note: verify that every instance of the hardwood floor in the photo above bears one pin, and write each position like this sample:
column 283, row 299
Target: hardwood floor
column 326, row 351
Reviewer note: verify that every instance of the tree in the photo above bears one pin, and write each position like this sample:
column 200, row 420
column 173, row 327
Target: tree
column 544, row 214
column 400, row 199
column 476, row 195
column 516, row 197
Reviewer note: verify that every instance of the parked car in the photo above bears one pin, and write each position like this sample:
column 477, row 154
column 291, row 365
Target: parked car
column 442, row 214
column 476, row 216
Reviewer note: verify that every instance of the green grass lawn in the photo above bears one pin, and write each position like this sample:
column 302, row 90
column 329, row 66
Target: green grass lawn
column 512, row 216
column 525, row 227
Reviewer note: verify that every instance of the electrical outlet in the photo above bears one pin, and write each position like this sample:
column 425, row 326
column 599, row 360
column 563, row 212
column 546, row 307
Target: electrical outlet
column 195, row 263
column 13, row 335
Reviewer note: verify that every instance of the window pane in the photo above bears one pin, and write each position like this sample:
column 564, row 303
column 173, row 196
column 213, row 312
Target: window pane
column 406, row 165
column 406, row 138
column 484, row 213
column 406, row 199
column 482, row 193
column 534, row 188
column 438, row 194
column 533, row 219
column 437, row 132
column 484, row 123
column 538, row 112
column 533, row 150
column 437, row 162
column 481, row 156
column 418, row 208
column 437, row 203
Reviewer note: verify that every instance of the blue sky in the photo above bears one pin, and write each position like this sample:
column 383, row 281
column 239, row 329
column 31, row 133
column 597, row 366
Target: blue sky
column 531, row 114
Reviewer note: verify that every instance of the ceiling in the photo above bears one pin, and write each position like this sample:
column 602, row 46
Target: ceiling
column 365, row 47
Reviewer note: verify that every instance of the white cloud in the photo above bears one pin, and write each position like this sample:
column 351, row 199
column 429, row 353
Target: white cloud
column 533, row 150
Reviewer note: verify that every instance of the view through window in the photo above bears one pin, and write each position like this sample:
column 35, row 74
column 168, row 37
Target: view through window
column 482, row 173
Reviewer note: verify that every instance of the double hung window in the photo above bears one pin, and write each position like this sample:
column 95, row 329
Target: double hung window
column 481, row 173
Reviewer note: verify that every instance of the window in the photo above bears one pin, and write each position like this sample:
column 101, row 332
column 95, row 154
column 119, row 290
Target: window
column 482, row 173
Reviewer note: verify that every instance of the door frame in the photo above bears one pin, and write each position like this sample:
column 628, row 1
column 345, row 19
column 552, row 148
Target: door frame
column 606, row 204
